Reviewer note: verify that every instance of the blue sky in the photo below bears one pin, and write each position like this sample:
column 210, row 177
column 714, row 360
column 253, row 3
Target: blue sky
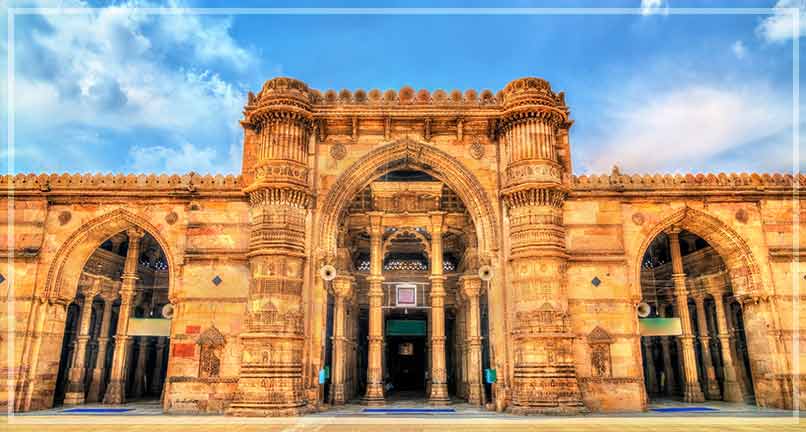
column 122, row 91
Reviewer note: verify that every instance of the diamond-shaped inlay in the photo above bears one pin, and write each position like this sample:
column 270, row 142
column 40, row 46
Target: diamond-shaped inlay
column 2, row 278
column 596, row 281
column 217, row 280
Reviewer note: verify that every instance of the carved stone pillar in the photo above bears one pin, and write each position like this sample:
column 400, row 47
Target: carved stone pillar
column 733, row 391
column 159, row 360
column 439, row 374
column 691, row 390
column 460, row 331
column 277, row 129
column 75, row 387
column 140, row 372
column 711, row 385
column 95, row 393
column 471, row 290
column 536, row 180
column 342, row 291
column 651, row 372
column 668, row 368
column 375, row 391
column 116, row 389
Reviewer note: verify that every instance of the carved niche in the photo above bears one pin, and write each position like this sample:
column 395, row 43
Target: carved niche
column 401, row 197
column 600, row 341
column 211, row 344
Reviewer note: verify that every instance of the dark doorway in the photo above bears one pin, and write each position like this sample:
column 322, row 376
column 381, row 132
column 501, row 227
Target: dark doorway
column 406, row 363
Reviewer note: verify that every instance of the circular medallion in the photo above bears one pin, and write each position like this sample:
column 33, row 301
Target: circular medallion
column 741, row 216
column 171, row 218
column 638, row 219
column 476, row 150
column 65, row 217
column 338, row 151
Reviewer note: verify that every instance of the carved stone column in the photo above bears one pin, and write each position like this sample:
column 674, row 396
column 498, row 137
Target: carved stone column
column 536, row 180
column 99, row 371
column 75, row 387
column 342, row 291
column 733, row 391
column 471, row 290
column 460, row 330
column 159, row 360
column 651, row 372
column 375, row 392
column 439, row 374
column 116, row 389
column 691, row 390
column 711, row 385
column 668, row 368
column 140, row 372
column 277, row 129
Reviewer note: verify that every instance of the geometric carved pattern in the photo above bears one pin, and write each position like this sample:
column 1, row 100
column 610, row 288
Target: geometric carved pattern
column 211, row 344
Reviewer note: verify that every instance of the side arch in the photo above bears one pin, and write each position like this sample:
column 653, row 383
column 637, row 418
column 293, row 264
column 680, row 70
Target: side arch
column 408, row 153
column 742, row 266
column 72, row 256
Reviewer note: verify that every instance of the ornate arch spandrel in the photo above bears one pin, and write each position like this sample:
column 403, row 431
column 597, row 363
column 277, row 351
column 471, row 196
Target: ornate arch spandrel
column 420, row 237
column 409, row 153
column 73, row 254
column 743, row 268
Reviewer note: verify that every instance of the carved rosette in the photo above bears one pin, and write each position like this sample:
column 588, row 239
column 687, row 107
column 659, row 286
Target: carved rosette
column 271, row 378
column 534, row 190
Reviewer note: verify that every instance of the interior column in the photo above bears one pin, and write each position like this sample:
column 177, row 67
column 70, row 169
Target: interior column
column 711, row 384
column 665, row 344
column 649, row 358
column 116, row 389
column 374, row 394
column 439, row 375
column 342, row 291
column 471, row 290
column 733, row 392
column 692, row 391
column 99, row 371
column 156, row 376
column 75, row 387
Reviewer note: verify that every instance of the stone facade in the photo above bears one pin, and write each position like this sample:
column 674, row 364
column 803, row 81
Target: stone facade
column 244, row 253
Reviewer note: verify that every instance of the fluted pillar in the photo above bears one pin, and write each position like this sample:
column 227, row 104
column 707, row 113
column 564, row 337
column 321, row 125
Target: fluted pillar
column 533, row 132
column 668, row 368
column 375, row 392
column 140, row 372
column 159, row 360
column 439, row 374
column 711, row 385
column 651, row 372
column 733, row 391
column 471, row 290
column 75, row 387
column 691, row 390
column 278, row 125
column 342, row 291
column 116, row 389
column 95, row 393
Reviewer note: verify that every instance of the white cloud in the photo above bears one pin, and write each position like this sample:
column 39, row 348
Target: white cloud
column 739, row 49
column 185, row 158
column 649, row 7
column 779, row 26
column 126, row 71
column 688, row 127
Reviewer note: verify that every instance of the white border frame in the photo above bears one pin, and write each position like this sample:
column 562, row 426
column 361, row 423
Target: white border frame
column 795, row 264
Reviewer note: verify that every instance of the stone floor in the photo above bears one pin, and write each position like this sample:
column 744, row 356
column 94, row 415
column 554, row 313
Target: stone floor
column 147, row 416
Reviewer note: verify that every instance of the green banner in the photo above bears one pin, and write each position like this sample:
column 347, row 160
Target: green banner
column 660, row 326
column 405, row 328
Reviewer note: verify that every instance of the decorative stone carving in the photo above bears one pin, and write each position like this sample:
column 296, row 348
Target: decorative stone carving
column 64, row 217
column 476, row 150
column 338, row 151
column 211, row 344
column 599, row 341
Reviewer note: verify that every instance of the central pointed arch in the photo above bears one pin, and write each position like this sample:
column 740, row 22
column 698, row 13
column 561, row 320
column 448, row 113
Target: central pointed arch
column 408, row 153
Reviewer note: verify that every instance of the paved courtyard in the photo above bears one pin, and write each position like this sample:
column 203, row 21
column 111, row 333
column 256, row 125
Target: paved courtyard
column 665, row 415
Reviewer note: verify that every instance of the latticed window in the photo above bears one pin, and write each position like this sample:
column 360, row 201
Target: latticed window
column 448, row 265
column 363, row 266
column 405, row 265
column 362, row 201
column 451, row 202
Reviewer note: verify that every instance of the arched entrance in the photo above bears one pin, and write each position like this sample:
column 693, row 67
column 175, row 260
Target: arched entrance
column 117, row 266
column 693, row 266
column 410, row 226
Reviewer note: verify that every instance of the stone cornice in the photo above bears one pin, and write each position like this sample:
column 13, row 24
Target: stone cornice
column 114, row 185
column 685, row 184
